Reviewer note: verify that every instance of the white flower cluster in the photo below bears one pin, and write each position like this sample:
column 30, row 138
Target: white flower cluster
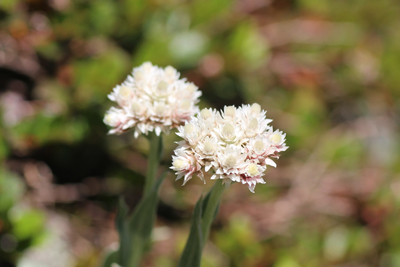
column 237, row 144
column 152, row 99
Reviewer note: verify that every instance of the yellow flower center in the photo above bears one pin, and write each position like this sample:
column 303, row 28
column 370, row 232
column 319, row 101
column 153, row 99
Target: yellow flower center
column 205, row 114
column 255, row 108
column 230, row 161
column 147, row 66
column 259, row 146
column 136, row 107
column 109, row 119
column 138, row 75
column 209, row 147
column 228, row 130
column 162, row 87
column 179, row 164
column 189, row 128
column 160, row 109
column 252, row 169
column 169, row 71
column 125, row 92
column 191, row 89
column 230, row 111
column 275, row 138
column 253, row 124
column 185, row 104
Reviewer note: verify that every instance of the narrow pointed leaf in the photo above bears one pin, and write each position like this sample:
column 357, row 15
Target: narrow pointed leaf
column 142, row 221
column 122, row 225
column 210, row 208
column 191, row 255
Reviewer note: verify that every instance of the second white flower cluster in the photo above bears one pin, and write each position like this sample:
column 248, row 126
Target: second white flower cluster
column 237, row 144
column 152, row 99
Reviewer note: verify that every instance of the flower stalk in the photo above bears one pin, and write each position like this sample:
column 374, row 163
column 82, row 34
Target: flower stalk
column 153, row 161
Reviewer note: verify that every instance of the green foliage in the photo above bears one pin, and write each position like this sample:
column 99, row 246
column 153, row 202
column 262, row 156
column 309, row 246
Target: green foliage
column 191, row 255
column 204, row 214
column 135, row 230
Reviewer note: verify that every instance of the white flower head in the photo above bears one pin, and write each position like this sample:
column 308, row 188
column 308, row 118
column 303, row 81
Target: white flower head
column 208, row 146
column 253, row 175
column 185, row 163
column 153, row 99
column 230, row 163
column 253, row 120
column 117, row 118
column 236, row 143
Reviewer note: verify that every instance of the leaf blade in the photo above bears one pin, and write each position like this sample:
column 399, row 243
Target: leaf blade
column 122, row 227
column 142, row 221
column 191, row 255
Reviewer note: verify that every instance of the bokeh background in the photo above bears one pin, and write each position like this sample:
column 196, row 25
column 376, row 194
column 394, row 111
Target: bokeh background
column 326, row 71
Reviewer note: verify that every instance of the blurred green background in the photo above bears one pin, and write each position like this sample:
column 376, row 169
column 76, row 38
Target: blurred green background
column 326, row 71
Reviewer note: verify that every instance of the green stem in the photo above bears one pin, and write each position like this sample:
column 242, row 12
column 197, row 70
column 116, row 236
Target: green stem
column 153, row 161
column 136, row 256
column 211, row 208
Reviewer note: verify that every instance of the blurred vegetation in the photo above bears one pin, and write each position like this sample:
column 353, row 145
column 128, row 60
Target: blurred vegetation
column 326, row 71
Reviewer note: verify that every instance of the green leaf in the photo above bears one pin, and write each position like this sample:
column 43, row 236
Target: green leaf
column 141, row 223
column 204, row 214
column 122, row 225
column 135, row 231
column 191, row 255
column 210, row 208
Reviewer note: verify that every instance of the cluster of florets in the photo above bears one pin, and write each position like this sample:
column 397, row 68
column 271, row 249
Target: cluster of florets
column 237, row 144
column 152, row 99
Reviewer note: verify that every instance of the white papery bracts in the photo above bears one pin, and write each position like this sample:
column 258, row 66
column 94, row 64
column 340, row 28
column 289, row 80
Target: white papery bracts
column 237, row 144
column 152, row 99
